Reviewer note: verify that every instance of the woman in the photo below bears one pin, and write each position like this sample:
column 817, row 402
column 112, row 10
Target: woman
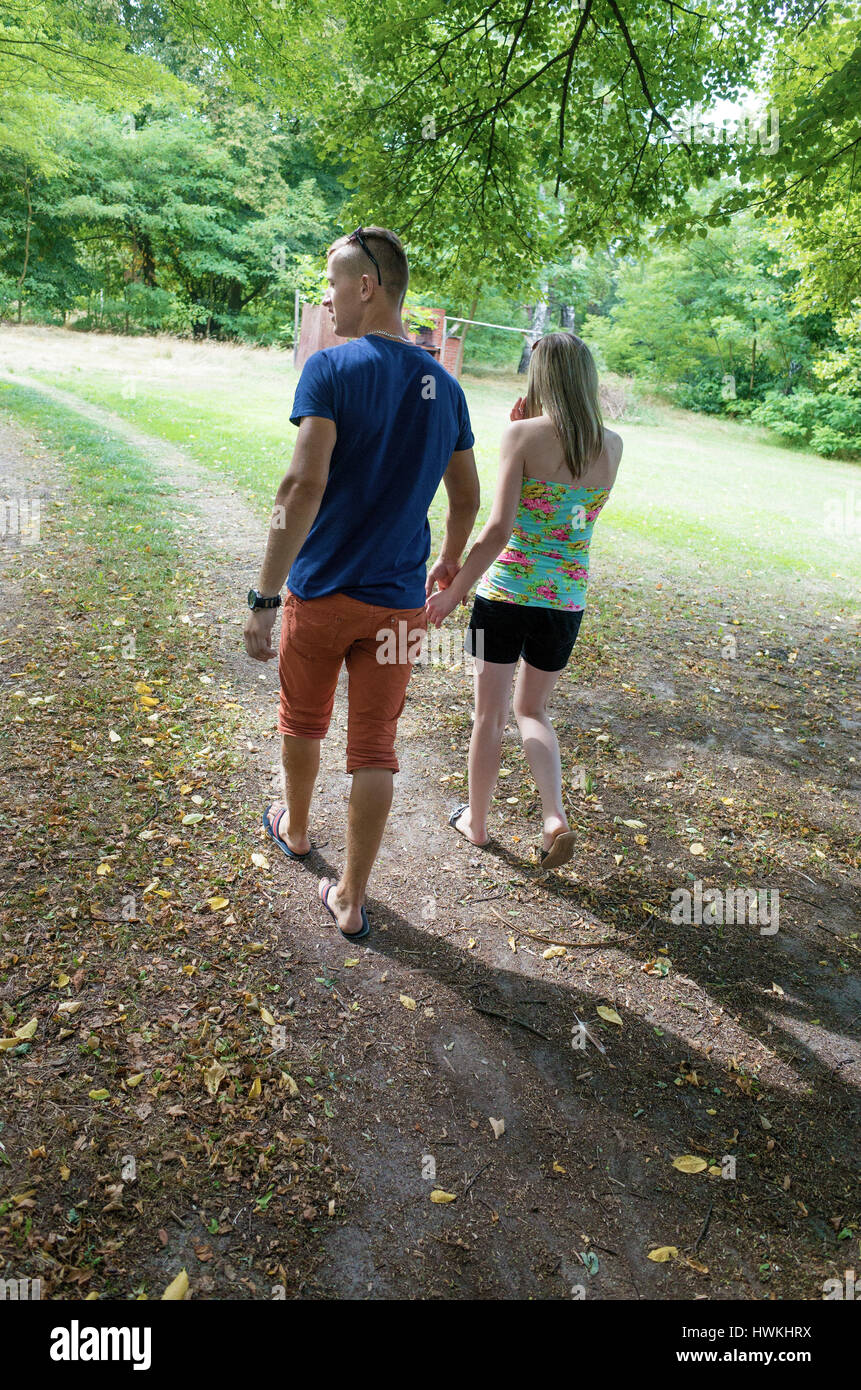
column 557, row 466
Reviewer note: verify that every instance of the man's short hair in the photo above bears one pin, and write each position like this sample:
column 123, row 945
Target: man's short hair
column 389, row 251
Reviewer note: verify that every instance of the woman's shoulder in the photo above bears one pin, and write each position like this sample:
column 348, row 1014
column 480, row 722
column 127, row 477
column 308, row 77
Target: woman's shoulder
column 613, row 443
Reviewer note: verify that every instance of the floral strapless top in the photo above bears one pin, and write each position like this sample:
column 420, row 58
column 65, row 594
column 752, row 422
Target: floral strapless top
column 546, row 561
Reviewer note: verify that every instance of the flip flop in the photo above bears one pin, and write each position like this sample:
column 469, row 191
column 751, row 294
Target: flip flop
column 271, row 828
column 560, row 851
column 455, row 817
column 347, row 935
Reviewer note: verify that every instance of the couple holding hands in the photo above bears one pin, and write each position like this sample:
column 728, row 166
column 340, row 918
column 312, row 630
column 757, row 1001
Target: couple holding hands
column 381, row 423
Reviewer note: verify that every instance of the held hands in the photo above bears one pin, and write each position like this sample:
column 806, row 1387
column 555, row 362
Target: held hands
column 258, row 633
column 439, row 606
column 442, row 572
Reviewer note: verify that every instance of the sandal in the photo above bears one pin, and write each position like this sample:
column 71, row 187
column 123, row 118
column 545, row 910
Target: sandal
column 271, row 828
column 455, row 817
column 348, row 935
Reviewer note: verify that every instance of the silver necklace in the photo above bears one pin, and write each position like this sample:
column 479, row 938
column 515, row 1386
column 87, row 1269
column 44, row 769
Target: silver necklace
column 383, row 334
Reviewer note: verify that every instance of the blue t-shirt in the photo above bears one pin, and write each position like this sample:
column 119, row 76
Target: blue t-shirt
column 400, row 416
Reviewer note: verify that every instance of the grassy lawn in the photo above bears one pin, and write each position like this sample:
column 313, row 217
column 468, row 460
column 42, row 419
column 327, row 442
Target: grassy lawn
column 716, row 501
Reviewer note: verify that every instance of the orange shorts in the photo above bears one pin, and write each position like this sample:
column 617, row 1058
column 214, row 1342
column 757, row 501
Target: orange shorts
column 380, row 647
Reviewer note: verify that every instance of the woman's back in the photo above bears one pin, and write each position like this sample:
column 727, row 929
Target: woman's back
column 543, row 457
column 546, row 561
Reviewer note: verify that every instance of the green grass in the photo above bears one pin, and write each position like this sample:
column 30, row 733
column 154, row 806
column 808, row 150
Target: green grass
column 696, row 496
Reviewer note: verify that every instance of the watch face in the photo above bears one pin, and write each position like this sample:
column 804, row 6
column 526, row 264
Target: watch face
column 252, row 598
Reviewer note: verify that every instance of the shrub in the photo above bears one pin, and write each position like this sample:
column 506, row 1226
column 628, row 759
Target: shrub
column 828, row 423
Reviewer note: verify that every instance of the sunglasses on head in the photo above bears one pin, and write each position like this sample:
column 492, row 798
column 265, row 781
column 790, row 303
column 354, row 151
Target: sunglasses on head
column 357, row 236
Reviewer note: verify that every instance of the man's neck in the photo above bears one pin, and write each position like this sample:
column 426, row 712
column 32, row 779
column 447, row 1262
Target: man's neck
column 389, row 324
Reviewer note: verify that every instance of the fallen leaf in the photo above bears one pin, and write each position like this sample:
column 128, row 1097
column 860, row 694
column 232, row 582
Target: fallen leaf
column 604, row 1011
column 213, row 1076
column 441, row 1197
column 407, row 1002
column 689, row 1163
column 662, row 1253
column 178, row 1288
column 498, row 1127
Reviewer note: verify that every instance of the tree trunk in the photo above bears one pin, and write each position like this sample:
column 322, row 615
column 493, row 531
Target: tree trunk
column 234, row 297
column 23, row 274
column 457, row 365
column 568, row 318
column 540, row 315
column 147, row 260
column 752, row 363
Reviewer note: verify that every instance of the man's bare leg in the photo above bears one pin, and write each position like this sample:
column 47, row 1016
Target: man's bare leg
column 300, row 763
column 370, row 802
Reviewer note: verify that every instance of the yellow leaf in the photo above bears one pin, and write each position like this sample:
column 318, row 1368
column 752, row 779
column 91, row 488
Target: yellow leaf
column 62, row 980
column 604, row 1011
column 697, row 848
column 350, row 962
column 28, row 1029
column 441, row 1197
column 635, row 824
column 552, row 952
column 641, row 839
column 513, row 944
column 178, row 1288
column 135, row 1080
column 407, row 1002
column 267, row 1018
column 217, row 904
column 65, row 1173
column 141, row 688
column 213, row 1076
column 290, row 1084
column 99, row 1095
column 260, row 860
column 255, row 1089
column 149, row 701
column 557, row 1167
column 76, row 747
column 70, row 1006
column 689, row 1163
column 663, row 1253
column 104, row 869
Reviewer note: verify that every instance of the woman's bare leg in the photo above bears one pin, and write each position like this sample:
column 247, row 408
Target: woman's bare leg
column 531, row 693
column 492, row 699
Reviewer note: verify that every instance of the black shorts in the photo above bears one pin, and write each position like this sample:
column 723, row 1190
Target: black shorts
column 502, row 632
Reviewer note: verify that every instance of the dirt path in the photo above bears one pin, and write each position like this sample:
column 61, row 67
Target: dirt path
column 580, row 1186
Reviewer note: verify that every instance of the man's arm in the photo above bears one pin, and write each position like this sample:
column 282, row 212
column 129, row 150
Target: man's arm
column 297, row 503
column 464, row 497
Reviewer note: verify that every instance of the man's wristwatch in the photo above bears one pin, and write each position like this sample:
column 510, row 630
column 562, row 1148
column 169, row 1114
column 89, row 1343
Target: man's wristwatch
column 258, row 600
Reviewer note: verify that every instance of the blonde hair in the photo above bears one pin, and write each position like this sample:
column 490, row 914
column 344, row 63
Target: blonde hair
column 563, row 385
column 389, row 252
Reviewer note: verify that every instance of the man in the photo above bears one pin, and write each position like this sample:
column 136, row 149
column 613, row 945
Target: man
column 380, row 424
